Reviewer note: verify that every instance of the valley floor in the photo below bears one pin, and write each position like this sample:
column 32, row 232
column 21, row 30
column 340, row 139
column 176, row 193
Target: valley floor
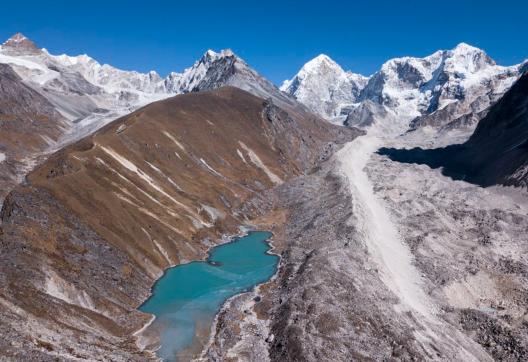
column 387, row 260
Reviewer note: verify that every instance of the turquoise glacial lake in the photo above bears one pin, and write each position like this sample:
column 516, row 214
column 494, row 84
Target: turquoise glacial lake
column 187, row 297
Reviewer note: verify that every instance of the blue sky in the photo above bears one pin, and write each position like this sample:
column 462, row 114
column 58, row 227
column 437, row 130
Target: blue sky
column 275, row 37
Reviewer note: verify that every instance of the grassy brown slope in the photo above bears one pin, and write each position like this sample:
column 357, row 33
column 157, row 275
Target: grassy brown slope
column 103, row 217
column 187, row 152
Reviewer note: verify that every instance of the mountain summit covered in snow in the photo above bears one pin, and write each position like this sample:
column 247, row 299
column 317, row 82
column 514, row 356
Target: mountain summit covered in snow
column 90, row 94
column 431, row 91
column 324, row 87
column 73, row 96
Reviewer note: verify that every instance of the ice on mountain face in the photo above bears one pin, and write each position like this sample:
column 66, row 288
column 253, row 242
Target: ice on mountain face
column 324, row 87
column 442, row 87
column 90, row 94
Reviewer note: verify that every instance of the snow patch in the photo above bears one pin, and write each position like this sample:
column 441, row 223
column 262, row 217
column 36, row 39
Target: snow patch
column 258, row 162
column 67, row 292
column 214, row 213
column 210, row 168
column 130, row 166
column 160, row 249
column 241, row 156
column 147, row 212
column 173, row 139
column 155, row 186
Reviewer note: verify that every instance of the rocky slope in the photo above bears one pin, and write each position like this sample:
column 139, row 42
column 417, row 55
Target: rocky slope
column 99, row 221
column 29, row 124
column 494, row 154
column 448, row 89
column 499, row 145
column 408, row 265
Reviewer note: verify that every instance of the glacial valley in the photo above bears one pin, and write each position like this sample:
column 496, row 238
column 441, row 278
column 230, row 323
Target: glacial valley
column 397, row 205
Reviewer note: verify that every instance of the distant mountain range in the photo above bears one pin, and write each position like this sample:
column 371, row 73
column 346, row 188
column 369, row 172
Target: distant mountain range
column 450, row 88
column 89, row 94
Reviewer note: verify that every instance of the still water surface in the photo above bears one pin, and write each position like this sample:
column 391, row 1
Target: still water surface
column 187, row 298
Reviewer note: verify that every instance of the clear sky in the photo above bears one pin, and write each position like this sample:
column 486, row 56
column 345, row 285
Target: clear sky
column 274, row 37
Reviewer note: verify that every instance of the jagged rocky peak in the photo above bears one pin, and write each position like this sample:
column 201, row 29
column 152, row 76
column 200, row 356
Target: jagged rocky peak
column 19, row 44
column 217, row 69
column 211, row 54
column 210, row 57
column 191, row 79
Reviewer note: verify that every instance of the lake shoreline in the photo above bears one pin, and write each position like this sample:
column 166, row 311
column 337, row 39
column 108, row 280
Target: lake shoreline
column 209, row 262
column 228, row 301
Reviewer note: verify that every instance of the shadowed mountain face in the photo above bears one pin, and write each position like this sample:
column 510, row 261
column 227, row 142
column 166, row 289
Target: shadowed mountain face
column 98, row 222
column 496, row 153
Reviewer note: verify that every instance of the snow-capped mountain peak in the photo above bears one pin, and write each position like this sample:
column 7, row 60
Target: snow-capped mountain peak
column 192, row 77
column 467, row 58
column 224, row 68
column 19, row 44
column 89, row 94
column 211, row 55
column 321, row 61
column 459, row 81
column 466, row 48
column 324, row 87
column 321, row 64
